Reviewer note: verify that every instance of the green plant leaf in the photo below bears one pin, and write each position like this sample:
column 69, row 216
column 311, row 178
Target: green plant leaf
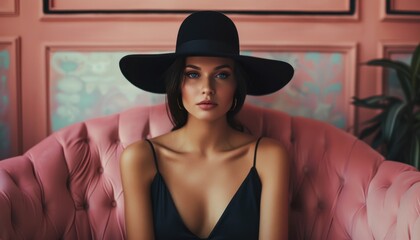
column 378, row 118
column 415, row 151
column 393, row 64
column 396, row 128
column 375, row 102
column 369, row 130
column 415, row 60
column 392, row 116
column 417, row 114
column 403, row 73
column 398, row 143
column 415, row 67
column 406, row 86
column 378, row 140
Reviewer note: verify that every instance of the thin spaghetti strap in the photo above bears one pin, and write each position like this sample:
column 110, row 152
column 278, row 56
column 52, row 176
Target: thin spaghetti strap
column 255, row 151
column 154, row 154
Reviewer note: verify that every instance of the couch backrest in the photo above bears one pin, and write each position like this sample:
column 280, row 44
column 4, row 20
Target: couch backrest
column 68, row 186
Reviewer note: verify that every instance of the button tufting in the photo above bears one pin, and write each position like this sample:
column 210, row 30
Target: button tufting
column 68, row 183
column 341, row 179
column 100, row 170
column 114, row 203
column 306, row 169
column 321, row 205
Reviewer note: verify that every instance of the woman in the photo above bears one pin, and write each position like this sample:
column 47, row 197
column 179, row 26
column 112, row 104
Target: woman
column 206, row 179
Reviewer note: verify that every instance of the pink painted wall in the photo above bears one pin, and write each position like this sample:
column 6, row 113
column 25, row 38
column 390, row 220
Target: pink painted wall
column 49, row 51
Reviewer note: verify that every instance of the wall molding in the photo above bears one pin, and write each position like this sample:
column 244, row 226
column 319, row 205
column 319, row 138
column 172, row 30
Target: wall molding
column 386, row 49
column 390, row 13
column 51, row 11
column 13, row 43
column 9, row 7
column 155, row 6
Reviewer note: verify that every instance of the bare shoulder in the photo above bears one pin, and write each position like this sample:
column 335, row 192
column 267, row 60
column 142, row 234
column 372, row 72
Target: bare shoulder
column 137, row 173
column 274, row 171
column 272, row 158
column 271, row 150
column 138, row 160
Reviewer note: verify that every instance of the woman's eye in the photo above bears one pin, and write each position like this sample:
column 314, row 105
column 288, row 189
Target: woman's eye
column 222, row 75
column 192, row 74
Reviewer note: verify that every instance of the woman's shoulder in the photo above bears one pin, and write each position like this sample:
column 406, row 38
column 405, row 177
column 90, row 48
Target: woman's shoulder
column 138, row 157
column 271, row 145
column 139, row 149
column 272, row 157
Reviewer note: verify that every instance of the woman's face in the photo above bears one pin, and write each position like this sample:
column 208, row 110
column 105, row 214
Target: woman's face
column 208, row 87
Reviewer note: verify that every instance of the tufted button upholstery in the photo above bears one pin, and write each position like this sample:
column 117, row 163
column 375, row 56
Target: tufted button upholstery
column 68, row 186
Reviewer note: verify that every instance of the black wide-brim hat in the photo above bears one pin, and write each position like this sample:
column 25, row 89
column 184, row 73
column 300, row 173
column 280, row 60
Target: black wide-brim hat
column 206, row 33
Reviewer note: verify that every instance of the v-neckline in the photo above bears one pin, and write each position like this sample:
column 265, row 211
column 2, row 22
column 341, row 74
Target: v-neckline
column 222, row 216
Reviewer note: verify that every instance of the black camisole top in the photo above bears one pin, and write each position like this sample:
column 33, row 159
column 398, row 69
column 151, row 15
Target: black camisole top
column 240, row 219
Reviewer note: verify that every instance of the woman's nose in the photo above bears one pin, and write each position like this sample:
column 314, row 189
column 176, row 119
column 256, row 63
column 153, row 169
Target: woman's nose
column 208, row 91
column 208, row 87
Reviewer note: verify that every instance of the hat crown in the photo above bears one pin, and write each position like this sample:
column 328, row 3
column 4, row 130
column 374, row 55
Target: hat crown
column 208, row 33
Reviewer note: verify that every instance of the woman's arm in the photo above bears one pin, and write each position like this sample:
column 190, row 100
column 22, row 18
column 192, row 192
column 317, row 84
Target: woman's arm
column 273, row 167
column 137, row 172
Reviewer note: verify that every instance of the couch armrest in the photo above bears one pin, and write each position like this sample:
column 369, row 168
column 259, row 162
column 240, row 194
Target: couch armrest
column 35, row 199
column 393, row 202
column 20, row 199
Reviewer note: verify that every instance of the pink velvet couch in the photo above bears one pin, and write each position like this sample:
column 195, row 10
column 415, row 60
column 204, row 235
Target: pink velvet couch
column 68, row 186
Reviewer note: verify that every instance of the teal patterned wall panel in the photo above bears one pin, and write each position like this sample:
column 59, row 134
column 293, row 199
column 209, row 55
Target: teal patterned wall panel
column 85, row 85
column 5, row 124
column 89, row 84
column 317, row 90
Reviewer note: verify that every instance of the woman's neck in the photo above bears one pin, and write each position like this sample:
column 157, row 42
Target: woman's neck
column 204, row 137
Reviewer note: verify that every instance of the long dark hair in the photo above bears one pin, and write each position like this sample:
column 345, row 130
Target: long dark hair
column 178, row 114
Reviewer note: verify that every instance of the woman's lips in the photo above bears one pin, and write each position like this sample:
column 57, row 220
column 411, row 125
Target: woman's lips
column 207, row 105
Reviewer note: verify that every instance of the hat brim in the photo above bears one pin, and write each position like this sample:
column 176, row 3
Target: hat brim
column 146, row 71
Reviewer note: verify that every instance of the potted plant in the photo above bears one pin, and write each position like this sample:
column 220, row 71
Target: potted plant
column 395, row 130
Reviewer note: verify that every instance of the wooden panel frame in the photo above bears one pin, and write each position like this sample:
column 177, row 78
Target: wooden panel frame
column 162, row 9
column 385, row 50
column 13, row 44
column 9, row 7
column 349, row 50
column 389, row 13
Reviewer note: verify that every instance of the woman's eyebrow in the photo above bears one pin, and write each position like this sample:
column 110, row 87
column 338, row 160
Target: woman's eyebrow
column 223, row 66
column 216, row 68
column 192, row 66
